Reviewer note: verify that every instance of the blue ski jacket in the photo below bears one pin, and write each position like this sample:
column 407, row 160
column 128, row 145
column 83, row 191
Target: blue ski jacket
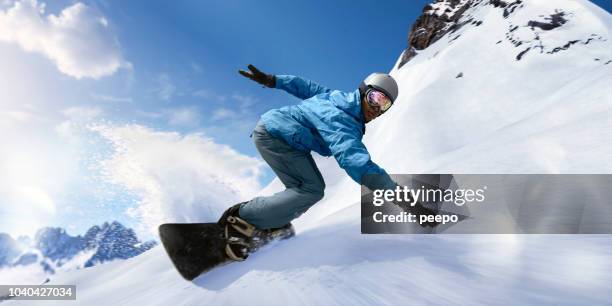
column 329, row 122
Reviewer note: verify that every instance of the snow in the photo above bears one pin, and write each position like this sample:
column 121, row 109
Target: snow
column 35, row 273
column 444, row 7
column 547, row 113
column 30, row 274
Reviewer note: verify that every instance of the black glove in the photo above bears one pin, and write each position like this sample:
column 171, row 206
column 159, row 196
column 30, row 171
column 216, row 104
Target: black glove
column 268, row 80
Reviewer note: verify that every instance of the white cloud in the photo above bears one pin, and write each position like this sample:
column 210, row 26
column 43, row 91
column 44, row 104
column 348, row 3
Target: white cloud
column 78, row 40
column 202, row 93
column 245, row 101
column 183, row 117
column 208, row 94
column 240, row 113
column 9, row 117
column 165, row 89
column 37, row 198
column 179, row 178
column 82, row 113
column 149, row 114
column 224, row 113
column 109, row 98
column 74, row 130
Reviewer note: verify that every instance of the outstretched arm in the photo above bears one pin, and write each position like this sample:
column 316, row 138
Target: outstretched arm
column 299, row 87
column 294, row 85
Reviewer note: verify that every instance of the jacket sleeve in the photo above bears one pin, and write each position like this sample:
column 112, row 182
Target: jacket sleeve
column 299, row 87
column 352, row 156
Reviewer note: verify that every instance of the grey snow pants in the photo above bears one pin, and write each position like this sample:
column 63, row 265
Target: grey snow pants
column 297, row 171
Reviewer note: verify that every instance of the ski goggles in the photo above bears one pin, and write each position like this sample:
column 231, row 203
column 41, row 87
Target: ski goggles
column 378, row 100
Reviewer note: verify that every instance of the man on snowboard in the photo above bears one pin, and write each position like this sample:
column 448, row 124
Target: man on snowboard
column 329, row 122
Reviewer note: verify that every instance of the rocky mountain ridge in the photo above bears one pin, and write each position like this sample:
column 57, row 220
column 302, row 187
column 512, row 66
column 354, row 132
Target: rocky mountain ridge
column 52, row 247
column 446, row 17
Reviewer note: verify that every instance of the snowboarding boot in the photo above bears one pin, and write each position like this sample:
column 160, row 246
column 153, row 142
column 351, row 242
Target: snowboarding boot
column 237, row 233
column 263, row 237
column 243, row 238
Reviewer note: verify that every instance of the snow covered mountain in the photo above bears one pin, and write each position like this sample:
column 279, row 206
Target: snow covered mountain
column 113, row 241
column 53, row 249
column 55, row 244
column 485, row 87
column 9, row 249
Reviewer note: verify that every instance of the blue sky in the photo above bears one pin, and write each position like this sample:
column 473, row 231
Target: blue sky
column 200, row 46
column 91, row 104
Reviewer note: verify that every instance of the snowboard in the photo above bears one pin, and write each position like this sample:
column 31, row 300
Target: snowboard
column 195, row 248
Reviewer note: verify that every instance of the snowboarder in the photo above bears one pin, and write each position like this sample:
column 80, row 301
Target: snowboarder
column 329, row 122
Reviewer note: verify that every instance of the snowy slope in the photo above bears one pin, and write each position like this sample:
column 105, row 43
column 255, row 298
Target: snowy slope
column 544, row 113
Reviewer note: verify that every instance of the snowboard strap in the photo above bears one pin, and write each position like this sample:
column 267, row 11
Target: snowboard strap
column 241, row 226
column 229, row 251
column 240, row 238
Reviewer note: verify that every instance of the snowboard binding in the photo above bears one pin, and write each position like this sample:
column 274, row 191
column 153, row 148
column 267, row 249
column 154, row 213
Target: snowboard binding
column 243, row 238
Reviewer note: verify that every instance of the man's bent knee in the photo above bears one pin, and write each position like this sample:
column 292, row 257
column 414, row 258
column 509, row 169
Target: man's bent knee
column 319, row 195
column 314, row 196
column 315, row 191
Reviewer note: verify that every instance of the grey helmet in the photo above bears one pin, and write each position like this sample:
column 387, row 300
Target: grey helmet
column 382, row 82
